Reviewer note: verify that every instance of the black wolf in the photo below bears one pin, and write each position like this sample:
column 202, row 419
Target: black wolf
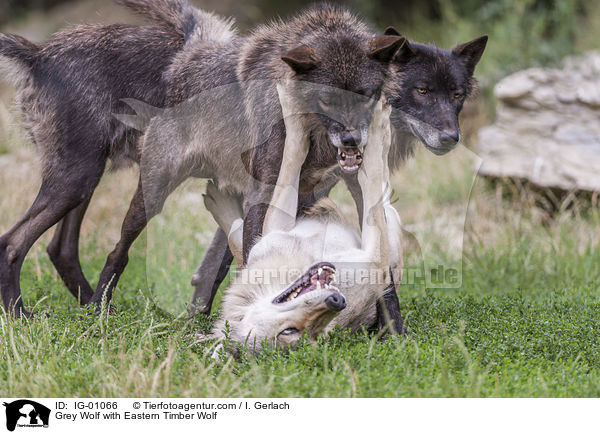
column 68, row 89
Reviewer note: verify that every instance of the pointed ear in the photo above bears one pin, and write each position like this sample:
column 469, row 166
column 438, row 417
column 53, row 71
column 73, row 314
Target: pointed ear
column 471, row 52
column 301, row 59
column 405, row 53
column 384, row 47
column 391, row 31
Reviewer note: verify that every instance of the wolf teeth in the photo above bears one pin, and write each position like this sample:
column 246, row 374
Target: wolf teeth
column 294, row 294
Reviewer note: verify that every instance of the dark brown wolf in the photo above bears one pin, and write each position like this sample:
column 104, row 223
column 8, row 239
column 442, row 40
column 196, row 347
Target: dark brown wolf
column 225, row 120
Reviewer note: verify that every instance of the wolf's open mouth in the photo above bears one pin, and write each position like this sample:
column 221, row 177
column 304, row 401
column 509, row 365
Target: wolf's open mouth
column 319, row 276
column 350, row 159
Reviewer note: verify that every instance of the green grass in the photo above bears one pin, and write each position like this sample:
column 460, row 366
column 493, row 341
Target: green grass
column 519, row 343
column 524, row 323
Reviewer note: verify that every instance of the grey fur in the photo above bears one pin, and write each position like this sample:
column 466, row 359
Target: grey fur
column 193, row 24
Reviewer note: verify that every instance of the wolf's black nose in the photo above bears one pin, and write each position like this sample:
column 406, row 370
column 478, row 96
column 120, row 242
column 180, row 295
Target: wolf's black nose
column 350, row 139
column 336, row 302
column 450, row 137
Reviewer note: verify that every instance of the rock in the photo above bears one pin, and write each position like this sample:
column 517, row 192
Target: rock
column 547, row 128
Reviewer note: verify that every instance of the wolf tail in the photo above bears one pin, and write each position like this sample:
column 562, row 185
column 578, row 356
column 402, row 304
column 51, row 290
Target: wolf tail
column 17, row 56
column 179, row 15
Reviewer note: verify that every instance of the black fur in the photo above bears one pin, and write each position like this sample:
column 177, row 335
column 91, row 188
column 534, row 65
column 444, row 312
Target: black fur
column 68, row 90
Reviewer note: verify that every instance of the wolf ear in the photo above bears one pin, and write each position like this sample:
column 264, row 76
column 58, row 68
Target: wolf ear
column 301, row 59
column 391, row 31
column 384, row 47
column 405, row 52
column 471, row 52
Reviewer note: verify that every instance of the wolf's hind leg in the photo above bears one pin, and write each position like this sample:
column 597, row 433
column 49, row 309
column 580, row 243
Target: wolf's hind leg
column 60, row 192
column 388, row 306
column 64, row 253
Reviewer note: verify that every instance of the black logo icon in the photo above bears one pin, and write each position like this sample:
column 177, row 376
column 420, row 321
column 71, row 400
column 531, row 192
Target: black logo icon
column 26, row 413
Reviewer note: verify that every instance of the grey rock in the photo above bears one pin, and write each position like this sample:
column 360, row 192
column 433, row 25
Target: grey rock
column 547, row 128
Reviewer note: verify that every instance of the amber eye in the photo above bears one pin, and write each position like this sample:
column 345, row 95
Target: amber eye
column 422, row 91
column 457, row 95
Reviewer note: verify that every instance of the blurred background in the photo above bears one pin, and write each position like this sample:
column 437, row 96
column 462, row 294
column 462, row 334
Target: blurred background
column 523, row 32
column 526, row 235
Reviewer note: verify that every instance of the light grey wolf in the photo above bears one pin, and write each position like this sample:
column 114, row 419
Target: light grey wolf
column 262, row 305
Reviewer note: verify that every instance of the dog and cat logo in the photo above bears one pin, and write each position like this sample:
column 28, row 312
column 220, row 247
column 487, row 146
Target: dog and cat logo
column 25, row 413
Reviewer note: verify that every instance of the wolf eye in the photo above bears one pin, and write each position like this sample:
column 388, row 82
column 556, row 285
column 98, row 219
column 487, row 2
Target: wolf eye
column 422, row 90
column 289, row 331
column 458, row 95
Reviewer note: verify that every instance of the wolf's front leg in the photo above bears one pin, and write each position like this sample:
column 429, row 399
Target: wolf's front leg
column 272, row 199
column 374, row 182
column 281, row 214
column 264, row 171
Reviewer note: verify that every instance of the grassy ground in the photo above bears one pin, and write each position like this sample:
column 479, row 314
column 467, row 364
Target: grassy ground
column 524, row 322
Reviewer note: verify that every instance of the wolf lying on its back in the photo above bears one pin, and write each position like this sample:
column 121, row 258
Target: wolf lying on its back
column 261, row 305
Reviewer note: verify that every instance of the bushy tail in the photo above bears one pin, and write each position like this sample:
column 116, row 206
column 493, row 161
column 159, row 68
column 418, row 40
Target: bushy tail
column 17, row 55
column 179, row 15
